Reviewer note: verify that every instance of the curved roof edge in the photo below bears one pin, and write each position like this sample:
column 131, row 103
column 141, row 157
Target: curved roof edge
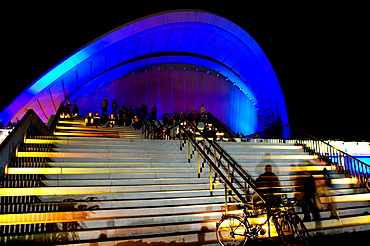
column 250, row 53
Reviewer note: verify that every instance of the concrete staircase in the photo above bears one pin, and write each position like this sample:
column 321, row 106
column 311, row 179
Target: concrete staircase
column 112, row 185
column 109, row 186
column 286, row 160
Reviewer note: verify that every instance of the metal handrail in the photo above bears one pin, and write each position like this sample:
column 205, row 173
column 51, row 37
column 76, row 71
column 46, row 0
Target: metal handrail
column 55, row 120
column 30, row 123
column 230, row 168
column 211, row 163
column 345, row 163
column 224, row 128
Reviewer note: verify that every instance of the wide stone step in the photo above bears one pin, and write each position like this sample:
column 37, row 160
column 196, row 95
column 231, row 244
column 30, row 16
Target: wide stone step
column 197, row 233
column 103, row 143
column 175, row 194
column 101, row 154
column 344, row 224
column 70, row 190
column 109, row 204
column 114, row 176
column 107, row 182
column 82, row 214
column 137, row 164
column 92, row 170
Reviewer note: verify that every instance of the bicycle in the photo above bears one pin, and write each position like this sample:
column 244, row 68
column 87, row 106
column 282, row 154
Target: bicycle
column 236, row 230
column 294, row 229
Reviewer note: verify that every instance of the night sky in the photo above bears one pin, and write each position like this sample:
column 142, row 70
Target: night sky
column 319, row 52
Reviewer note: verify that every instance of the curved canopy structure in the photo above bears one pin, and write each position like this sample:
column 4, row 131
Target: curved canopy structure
column 206, row 46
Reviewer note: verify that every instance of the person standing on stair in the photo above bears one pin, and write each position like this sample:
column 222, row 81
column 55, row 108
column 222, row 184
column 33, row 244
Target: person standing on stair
column 327, row 191
column 203, row 112
column 114, row 107
column 104, row 107
column 154, row 111
column 269, row 183
column 309, row 202
column 144, row 110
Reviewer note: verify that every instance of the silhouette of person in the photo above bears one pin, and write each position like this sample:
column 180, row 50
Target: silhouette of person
column 144, row 110
column 327, row 189
column 308, row 203
column 154, row 111
column 114, row 106
column 269, row 183
column 75, row 111
column 104, row 106
column 267, row 160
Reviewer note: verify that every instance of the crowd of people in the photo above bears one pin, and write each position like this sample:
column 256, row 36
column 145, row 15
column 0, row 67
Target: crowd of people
column 10, row 124
column 167, row 127
column 127, row 116
column 69, row 111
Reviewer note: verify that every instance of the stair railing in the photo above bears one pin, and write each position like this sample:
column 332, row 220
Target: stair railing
column 54, row 122
column 237, row 181
column 29, row 126
column 343, row 162
column 210, row 118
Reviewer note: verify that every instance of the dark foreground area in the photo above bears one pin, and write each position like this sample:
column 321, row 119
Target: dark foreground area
column 348, row 238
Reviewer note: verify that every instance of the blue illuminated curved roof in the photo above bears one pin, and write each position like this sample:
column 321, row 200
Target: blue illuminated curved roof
column 188, row 37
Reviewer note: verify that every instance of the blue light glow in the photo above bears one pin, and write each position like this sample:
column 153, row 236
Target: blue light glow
column 186, row 37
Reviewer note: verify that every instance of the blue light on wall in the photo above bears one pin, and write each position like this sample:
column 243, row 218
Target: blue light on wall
column 185, row 37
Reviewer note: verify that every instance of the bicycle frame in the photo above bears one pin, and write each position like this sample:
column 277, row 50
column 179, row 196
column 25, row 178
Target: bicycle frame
column 236, row 230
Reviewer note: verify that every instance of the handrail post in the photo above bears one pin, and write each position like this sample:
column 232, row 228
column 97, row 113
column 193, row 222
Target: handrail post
column 189, row 156
column 210, row 181
column 226, row 196
column 215, row 157
column 199, row 168
column 180, row 136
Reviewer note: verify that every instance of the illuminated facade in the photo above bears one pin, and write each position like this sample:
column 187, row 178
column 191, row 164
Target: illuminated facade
column 178, row 60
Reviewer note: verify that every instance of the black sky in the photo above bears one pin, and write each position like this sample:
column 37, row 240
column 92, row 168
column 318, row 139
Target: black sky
column 319, row 52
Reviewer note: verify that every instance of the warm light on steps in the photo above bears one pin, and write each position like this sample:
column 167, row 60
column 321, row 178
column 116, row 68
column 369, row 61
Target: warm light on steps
column 105, row 214
column 111, row 170
column 166, row 234
column 98, row 155
column 113, row 155
column 102, row 217
column 73, row 190
column 71, row 122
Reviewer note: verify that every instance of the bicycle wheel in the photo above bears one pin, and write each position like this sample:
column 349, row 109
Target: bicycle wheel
column 301, row 231
column 278, row 223
column 287, row 228
column 231, row 231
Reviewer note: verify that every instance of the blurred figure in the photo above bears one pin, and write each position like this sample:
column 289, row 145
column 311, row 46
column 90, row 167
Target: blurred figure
column 144, row 110
column 136, row 124
column 75, row 111
column 310, row 202
column 112, row 120
column 269, row 183
column 154, row 111
column 104, row 106
column 327, row 191
column 97, row 121
column 114, row 107
column 203, row 112
column 89, row 119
